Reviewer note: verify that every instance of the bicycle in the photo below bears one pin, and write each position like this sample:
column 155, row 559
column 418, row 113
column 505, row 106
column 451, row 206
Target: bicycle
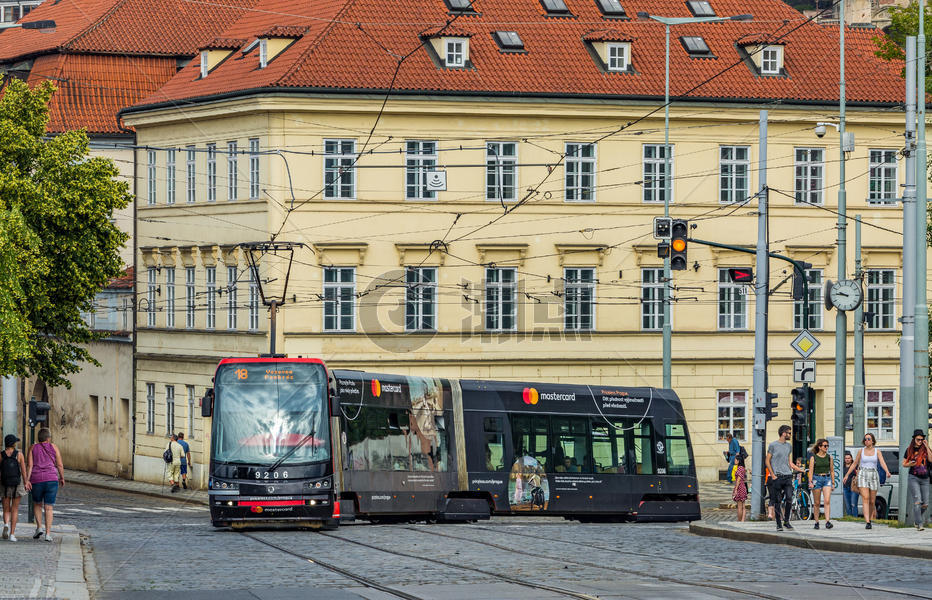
column 802, row 502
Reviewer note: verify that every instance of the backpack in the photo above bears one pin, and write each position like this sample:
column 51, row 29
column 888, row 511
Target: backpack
column 742, row 452
column 9, row 470
column 167, row 456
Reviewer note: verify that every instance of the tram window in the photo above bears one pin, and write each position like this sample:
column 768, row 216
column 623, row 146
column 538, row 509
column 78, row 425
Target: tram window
column 678, row 462
column 643, row 451
column 494, row 444
column 609, row 446
column 530, row 435
column 382, row 439
column 571, row 445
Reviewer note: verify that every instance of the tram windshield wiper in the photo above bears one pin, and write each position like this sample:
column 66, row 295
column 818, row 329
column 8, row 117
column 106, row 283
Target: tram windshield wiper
column 291, row 452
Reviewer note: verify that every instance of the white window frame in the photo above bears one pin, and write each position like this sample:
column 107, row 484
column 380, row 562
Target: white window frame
column 190, row 298
column 500, row 293
column 211, row 289
column 337, row 294
column 340, row 164
column 579, row 289
column 579, row 180
column 770, row 60
column 728, row 400
column 654, row 172
column 454, row 50
column 170, row 174
column 150, row 408
column 883, row 177
column 169, row 409
column 809, row 176
column 204, row 63
column 263, row 53
column 253, row 302
column 151, row 177
column 617, row 56
column 731, row 296
column 169, row 296
column 420, row 157
column 874, row 405
column 420, row 298
column 652, row 289
column 151, row 289
column 731, row 170
column 880, row 299
column 253, row 168
column 232, row 276
column 501, row 171
column 211, row 172
column 192, row 402
column 232, row 171
column 815, row 303
column 191, row 174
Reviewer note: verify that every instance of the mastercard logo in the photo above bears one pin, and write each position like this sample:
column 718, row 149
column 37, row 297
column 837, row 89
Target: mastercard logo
column 376, row 388
column 530, row 396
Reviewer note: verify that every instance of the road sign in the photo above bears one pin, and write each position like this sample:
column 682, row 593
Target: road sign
column 437, row 181
column 804, row 371
column 805, row 343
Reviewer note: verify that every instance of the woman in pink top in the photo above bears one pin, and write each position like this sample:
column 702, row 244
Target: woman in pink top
column 45, row 472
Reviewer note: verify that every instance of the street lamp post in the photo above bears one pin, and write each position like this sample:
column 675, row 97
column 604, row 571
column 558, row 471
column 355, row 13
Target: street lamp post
column 667, row 182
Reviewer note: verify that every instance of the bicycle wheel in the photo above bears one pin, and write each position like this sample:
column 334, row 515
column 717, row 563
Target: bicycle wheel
column 805, row 506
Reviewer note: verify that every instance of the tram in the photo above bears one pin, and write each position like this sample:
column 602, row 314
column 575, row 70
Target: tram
column 295, row 444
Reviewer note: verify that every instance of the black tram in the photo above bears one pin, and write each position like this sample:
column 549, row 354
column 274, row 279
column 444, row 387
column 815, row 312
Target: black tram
column 401, row 447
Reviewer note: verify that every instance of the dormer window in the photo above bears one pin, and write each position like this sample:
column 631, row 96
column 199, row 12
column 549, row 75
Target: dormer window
column 771, row 60
column 508, row 41
column 555, row 7
column 700, row 8
column 460, row 6
column 618, row 56
column 204, row 63
column 611, row 9
column 696, row 46
column 455, row 52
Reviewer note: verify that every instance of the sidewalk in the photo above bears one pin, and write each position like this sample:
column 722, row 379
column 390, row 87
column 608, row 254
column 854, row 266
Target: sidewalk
column 135, row 487
column 38, row 569
column 845, row 537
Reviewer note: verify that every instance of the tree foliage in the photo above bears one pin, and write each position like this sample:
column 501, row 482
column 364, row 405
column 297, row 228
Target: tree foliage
column 58, row 247
column 904, row 21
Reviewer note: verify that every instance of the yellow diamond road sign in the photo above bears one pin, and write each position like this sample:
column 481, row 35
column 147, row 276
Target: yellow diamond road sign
column 805, row 343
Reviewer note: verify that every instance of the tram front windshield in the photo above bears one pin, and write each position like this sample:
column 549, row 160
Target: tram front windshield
column 267, row 411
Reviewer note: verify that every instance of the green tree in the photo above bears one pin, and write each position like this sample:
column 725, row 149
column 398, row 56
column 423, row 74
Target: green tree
column 58, row 247
column 904, row 21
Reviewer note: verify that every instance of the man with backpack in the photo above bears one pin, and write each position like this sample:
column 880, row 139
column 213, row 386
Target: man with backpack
column 13, row 484
column 172, row 457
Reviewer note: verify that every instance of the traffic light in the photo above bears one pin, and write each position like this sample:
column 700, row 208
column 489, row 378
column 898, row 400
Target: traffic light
column 798, row 281
column 741, row 275
column 770, row 407
column 800, row 405
column 679, row 232
column 38, row 412
column 662, row 227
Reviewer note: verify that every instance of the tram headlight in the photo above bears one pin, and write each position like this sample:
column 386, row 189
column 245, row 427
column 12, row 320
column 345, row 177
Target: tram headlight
column 326, row 483
column 317, row 485
column 224, row 485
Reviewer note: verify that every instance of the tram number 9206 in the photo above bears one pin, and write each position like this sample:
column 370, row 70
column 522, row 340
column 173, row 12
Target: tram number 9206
column 273, row 475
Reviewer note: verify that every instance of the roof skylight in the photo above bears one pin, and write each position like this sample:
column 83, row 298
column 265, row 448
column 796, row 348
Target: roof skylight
column 555, row 7
column 700, row 8
column 460, row 6
column 695, row 45
column 509, row 41
column 611, row 8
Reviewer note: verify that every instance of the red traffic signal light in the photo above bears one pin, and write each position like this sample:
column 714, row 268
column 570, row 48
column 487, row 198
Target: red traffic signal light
column 741, row 275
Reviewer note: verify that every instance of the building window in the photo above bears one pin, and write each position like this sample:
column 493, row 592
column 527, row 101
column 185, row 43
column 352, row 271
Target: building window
column 732, row 303
column 232, row 276
column 150, row 408
column 339, row 299
column 652, row 299
column 579, row 299
column 253, row 301
column 501, row 171
column 810, row 171
column 150, row 296
column 881, row 298
column 814, row 276
column 191, row 174
column 263, row 53
column 580, row 172
column 211, row 297
column 211, row 172
column 655, row 172
column 421, row 158
column 732, row 414
column 189, row 297
column 617, row 57
column 151, row 178
column 170, row 173
column 879, row 410
column 169, row 409
column 339, row 169
column 455, row 53
column 420, row 298
column 254, row 168
column 170, row 297
column 883, row 182
column 734, row 167
column 232, row 171
column 501, row 287
column 770, row 60
column 191, row 404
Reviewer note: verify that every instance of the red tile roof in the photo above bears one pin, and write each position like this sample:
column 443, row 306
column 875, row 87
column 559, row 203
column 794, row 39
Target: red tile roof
column 356, row 44
column 283, row 31
column 125, row 281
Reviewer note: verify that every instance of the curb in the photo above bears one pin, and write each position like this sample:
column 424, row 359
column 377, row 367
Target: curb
column 174, row 497
column 69, row 577
column 790, row 539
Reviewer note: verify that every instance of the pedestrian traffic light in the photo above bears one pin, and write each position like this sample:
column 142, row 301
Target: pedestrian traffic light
column 38, row 412
column 679, row 232
column 800, row 405
column 741, row 275
column 770, row 407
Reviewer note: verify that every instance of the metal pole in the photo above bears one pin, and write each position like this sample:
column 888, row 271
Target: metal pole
column 30, row 508
column 910, row 210
column 10, row 405
column 921, row 381
column 762, row 290
column 273, row 311
column 667, row 273
column 857, row 399
column 841, row 323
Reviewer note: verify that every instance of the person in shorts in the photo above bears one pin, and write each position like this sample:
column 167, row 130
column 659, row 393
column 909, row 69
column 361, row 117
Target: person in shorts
column 867, row 463
column 174, row 468
column 13, row 484
column 821, row 481
column 46, row 473
column 185, row 459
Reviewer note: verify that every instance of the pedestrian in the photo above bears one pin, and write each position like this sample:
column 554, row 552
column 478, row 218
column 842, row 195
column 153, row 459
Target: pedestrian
column 780, row 463
column 918, row 458
column 14, row 484
column 867, row 462
column 740, row 492
column 46, row 474
column 851, row 494
column 733, row 448
column 174, row 467
column 821, row 481
column 185, row 459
